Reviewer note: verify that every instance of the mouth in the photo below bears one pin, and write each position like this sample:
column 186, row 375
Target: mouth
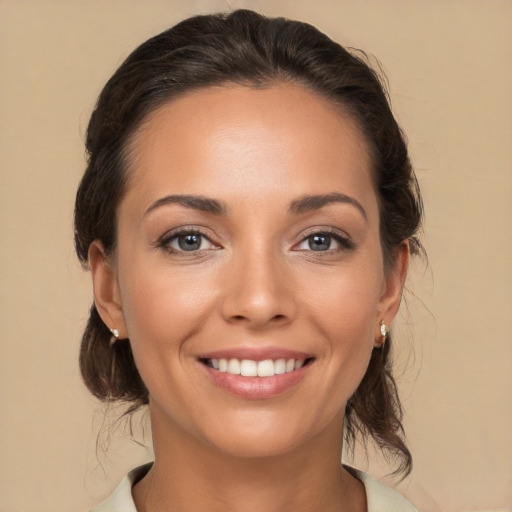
column 253, row 368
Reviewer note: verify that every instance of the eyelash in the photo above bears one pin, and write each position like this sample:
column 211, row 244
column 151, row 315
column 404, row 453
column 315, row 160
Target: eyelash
column 168, row 238
column 343, row 240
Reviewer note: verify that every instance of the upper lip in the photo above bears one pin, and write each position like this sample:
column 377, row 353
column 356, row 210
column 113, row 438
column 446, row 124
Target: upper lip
column 255, row 353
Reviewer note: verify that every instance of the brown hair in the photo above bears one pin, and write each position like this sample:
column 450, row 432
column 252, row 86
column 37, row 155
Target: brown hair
column 252, row 50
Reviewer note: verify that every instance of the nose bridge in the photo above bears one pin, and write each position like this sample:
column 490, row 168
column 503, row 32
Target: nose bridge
column 259, row 291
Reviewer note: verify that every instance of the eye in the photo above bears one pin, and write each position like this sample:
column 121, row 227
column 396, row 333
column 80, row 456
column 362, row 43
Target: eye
column 322, row 242
column 319, row 242
column 187, row 241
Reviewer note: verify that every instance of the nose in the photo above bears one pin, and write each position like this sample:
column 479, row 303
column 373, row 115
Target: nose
column 258, row 291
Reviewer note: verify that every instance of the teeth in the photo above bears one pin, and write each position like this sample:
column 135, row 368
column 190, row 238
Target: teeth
column 250, row 368
column 223, row 365
column 280, row 366
column 266, row 368
column 234, row 367
column 290, row 365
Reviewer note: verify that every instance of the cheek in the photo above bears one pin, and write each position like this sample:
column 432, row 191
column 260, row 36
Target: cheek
column 164, row 311
column 346, row 301
column 163, row 305
column 344, row 311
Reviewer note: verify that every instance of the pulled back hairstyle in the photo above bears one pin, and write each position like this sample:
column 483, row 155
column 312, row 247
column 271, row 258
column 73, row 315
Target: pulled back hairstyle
column 251, row 50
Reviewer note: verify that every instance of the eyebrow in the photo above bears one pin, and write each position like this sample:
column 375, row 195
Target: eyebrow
column 302, row 205
column 315, row 202
column 204, row 204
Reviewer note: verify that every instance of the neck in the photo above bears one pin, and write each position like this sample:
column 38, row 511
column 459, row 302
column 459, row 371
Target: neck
column 189, row 475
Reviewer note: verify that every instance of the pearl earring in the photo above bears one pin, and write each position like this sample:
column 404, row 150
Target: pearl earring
column 115, row 336
column 384, row 329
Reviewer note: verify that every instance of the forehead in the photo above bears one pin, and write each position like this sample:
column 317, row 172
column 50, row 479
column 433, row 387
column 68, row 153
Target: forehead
column 235, row 141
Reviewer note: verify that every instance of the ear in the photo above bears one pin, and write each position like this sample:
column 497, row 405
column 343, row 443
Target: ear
column 106, row 291
column 391, row 297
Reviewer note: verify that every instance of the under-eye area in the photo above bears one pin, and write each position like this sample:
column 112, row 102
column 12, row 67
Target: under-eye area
column 253, row 368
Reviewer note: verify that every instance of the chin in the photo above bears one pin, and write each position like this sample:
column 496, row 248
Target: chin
column 257, row 446
column 269, row 435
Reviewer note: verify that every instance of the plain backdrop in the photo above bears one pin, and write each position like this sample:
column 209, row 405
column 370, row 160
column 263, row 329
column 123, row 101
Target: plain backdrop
column 450, row 72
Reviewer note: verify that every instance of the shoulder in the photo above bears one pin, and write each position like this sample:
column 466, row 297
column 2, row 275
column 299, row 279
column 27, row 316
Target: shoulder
column 380, row 497
column 121, row 499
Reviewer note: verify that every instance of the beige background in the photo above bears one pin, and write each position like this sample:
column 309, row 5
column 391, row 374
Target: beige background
column 449, row 66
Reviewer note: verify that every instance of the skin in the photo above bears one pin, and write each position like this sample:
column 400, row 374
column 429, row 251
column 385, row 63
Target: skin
column 254, row 282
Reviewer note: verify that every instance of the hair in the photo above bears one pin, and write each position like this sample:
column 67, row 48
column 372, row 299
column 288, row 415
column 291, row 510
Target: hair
column 251, row 50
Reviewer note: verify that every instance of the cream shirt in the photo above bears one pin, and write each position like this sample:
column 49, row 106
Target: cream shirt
column 379, row 497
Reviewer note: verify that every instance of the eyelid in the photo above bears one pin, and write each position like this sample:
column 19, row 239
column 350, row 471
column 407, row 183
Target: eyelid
column 173, row 234
column 341, row 237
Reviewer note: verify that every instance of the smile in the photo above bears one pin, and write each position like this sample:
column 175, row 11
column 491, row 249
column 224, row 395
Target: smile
column 253, row 368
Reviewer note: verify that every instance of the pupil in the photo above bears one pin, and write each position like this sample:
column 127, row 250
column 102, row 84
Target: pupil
column 319, row 243
column 189, row 242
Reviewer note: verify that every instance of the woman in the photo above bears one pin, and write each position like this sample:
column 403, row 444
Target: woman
column 247, row 213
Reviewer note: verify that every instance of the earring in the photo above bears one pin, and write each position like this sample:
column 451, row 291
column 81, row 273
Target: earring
column 115, row 336
column 384, row 329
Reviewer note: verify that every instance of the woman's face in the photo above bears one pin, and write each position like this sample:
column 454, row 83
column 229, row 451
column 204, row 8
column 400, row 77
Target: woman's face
column 248, row 238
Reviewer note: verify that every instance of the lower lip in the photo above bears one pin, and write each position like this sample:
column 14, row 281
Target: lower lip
column 257, row 388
